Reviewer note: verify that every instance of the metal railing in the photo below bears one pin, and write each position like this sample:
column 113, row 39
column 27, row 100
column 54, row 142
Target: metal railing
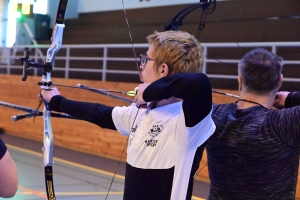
column 8, row 60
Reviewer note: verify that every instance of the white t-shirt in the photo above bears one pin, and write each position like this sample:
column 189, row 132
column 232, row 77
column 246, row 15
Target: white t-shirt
column 159, row 139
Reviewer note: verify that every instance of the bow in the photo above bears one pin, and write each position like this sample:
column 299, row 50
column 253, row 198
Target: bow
column 45, row 84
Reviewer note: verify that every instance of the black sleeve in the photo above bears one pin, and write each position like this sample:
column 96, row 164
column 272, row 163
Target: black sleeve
column 95, row 113
column 194, row 89
column 293, row 99
column 3, row 149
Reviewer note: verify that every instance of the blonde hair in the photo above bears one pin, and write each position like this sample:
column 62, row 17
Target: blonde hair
column 180, row 50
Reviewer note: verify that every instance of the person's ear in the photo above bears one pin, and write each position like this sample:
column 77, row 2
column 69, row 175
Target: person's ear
column 240, row 81
column 163, row 70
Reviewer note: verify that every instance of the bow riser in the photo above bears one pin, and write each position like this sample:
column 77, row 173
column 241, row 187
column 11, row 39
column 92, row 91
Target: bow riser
column 56, row 43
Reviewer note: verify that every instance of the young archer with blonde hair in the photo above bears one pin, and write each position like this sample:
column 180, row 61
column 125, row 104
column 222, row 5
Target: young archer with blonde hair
column 167, row 139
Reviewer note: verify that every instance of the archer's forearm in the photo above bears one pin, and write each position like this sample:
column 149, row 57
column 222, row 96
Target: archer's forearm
column 95, row 113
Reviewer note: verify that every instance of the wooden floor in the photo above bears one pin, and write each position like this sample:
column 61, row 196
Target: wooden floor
column 76, row 175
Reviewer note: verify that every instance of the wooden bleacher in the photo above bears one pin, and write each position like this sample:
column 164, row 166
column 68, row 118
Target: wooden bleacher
column 232, row 21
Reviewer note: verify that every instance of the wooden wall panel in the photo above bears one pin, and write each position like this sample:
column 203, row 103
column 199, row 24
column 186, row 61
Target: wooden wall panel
column 74, row 134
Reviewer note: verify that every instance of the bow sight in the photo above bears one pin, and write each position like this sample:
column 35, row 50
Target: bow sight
column 208, row 7
column 26, row 62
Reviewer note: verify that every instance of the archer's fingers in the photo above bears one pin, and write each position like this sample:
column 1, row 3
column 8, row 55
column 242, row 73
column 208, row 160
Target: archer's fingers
column 40, row 94
column 47, row 94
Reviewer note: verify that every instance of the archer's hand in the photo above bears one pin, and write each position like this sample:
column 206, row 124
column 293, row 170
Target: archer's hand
column 48, row 94
column 280, row 99
column 139, row 101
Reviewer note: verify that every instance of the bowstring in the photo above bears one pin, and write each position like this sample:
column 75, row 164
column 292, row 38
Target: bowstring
column 231, row 32
column 137, row 66
column 129, row 32
column 122, row 154
column 239, row 47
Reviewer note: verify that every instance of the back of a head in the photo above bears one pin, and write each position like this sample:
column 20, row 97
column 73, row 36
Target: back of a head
column 260, row 71
column 180, row 50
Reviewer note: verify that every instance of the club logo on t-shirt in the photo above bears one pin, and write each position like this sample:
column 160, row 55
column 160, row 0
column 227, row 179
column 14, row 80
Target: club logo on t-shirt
column 133, row 129
column 155, row 130
column 151, row 143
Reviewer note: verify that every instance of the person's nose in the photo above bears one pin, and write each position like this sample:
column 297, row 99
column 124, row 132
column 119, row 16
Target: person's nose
column 142, row 67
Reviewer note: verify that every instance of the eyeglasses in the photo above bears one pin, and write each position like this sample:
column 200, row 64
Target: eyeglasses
column 143, row 59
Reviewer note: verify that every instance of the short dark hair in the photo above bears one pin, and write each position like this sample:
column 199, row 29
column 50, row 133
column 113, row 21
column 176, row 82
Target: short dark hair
column 260, row 71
